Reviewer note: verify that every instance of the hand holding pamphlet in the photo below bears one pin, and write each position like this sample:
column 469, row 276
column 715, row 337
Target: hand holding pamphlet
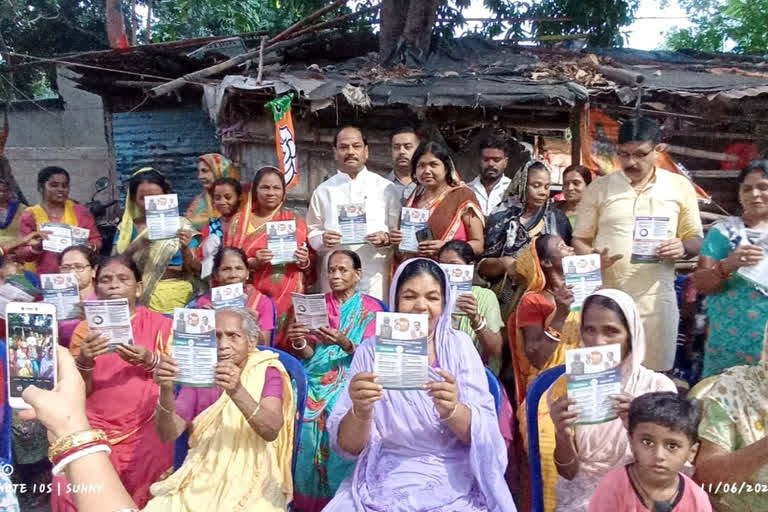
column 281, row 240
column 649, row 232
column 412, row 220
column 62, row 236
column 757, row 274
column 352, row 224
column 460, row 279
column 229, row 296
column 194, row 346
column 401, row 350
column 594, row 376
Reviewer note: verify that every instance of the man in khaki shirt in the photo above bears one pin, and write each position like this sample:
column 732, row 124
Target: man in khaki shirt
column 607, row 222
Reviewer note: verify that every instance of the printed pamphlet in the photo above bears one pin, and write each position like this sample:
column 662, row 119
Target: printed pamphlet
column 401, row 350
column 757, row 274
column 229, row 296
column 162, row 216
column 281, row 240
column 594, row 375
column 62, row 291
column 112, row 318
column 310, row 310
column 352, row 224
column 583, row 274
column 62, row 236
column 649, row 232
column 194, row 346
column 460, row 278
column 412, row 220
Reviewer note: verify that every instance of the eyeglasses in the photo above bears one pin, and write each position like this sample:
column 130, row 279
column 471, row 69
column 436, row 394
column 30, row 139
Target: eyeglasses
column 637, row 155
column 74, row 268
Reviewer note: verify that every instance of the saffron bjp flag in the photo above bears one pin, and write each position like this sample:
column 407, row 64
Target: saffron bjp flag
column 285, row 139
column 599, row 142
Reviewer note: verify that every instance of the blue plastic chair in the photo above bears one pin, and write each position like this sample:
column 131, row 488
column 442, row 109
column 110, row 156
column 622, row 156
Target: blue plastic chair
column 6, row 454
column 537, row 388
column 300, row 382
column 495, row 388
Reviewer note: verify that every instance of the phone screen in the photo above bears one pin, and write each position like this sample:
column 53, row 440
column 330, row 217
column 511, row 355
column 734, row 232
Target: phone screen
column 31, row 351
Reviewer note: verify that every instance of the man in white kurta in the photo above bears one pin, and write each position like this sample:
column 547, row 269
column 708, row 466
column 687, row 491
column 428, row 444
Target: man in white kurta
column 354, row 184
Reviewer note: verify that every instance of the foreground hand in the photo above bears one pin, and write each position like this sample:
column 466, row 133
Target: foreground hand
column 185, row 237
column 671, row 249
column 743, row 256
column 445, row 394
column 378, row 239
column 134, row 354
column 302, row 256
column 167, row 372
column 331, row 239
column 430, row 248
column 623, row 401
column 395, row 237
column 34, row 239
column 562, row 417
column 330, row 336
column 94, row 345
column 467, row 303
column 227, row 376
column 297, row 333
column 365, row 391
column 262, row 257
column 606, row 260
column 61, row 411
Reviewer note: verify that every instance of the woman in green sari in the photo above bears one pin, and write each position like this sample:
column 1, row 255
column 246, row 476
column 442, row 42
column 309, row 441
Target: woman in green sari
column 327, row 354
column 168, row 266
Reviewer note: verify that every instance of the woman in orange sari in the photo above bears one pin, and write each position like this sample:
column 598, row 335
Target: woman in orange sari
column 121, row 395
column 277, row 281
column 210, row 167
column 454, row 213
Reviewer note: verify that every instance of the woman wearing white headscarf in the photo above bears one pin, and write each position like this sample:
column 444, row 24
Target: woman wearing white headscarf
column 585, row 453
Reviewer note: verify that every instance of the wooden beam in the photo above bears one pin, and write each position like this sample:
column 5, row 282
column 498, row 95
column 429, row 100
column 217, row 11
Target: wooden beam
column 714, row 174
column 700, row 153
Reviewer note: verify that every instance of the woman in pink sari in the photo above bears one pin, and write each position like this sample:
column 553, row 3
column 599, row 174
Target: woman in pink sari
column 121, row 395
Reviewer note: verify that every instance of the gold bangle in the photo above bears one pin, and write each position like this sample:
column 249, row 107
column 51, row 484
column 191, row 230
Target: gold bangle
column 258, row 406
column 74, row 440
column 453, row 413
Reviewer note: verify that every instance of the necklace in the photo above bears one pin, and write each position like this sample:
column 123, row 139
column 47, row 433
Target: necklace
column 438, row 195
column 646, row 495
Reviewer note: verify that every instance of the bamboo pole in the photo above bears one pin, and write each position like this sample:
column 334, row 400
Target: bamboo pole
column 312, row 17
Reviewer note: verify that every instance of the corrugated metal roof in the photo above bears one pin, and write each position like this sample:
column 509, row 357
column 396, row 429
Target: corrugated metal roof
column 169, row 141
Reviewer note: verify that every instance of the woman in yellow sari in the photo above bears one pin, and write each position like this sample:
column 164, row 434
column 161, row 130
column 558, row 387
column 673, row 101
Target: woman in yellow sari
column 540, row 330
column 168, row 266
column 210, row 167
column 241, row 431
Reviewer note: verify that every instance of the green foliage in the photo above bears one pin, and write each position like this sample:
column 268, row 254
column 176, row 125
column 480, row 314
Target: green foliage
column 601, row 20
column 719, row 24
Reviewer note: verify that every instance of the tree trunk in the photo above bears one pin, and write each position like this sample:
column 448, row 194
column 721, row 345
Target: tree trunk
column 393, row 14
column 134, row 24
column 148, row 34
column 419, row 24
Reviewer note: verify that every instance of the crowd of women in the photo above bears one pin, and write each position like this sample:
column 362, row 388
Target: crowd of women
column 449, row 446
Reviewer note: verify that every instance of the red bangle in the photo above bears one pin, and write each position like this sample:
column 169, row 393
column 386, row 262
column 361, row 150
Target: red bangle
column 77, row 449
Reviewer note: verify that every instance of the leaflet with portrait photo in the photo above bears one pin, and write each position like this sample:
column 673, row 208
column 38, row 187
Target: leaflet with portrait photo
column 310, row 310
column 352, row 224
column 460, row 278
column 194, row 346
column 412, row 220
column 58, row 236
column 229, row 296
column 594, row 375
column 281, row 240
column 62, row 291
column 649, row 232
column 162, row 214
column 112, row 318
column 401, row 350
column 582, row 273
column 757, row 274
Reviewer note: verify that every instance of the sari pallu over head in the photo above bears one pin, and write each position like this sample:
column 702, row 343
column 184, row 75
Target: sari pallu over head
column 154, row 259
column 201, row 209
column 229, row 466
column 451, row 473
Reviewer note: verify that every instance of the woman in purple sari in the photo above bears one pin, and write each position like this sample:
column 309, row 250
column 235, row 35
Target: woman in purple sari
column 437, row 449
